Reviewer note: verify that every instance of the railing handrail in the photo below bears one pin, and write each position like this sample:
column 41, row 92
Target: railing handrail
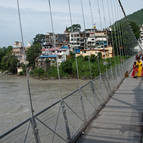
column 49, row 107
column 45, row 109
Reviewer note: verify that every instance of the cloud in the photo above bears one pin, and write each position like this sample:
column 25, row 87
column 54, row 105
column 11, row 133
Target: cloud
column 36, row 19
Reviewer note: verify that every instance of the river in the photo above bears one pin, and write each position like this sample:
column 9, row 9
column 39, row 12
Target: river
column 14, row 99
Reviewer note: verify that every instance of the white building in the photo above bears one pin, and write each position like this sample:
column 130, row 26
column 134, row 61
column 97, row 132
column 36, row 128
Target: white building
column 55, row 54
column 101, row 39
column 75, row 40
column 96, row 38
column 91, row 40
column 18, row 51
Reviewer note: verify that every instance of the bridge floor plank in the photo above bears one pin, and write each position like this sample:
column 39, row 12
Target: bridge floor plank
column 121, row 119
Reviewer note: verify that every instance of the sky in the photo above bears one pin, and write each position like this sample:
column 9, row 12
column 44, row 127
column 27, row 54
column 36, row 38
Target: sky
column 36, row 18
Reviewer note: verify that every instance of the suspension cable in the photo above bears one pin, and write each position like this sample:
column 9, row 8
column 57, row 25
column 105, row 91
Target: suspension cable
column 104, row 19
column 99, row 13
column 20, row 24
column 54, row 40
column 117, row 30
column 52, row 23
column 70, row 14
column 119, row 1
column 91, row 13
column 85, row 42
column 83, row 16
column 92, row 23
column 100, row 19
column 122, row 39
column 34, row 125
column 112, row 37
column 69, row 5
column 98, row 61
column 116, row 42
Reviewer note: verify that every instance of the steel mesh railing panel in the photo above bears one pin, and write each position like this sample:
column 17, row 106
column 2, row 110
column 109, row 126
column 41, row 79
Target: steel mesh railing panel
column 22, row 134
column 88, row 99
column 111, row 78
column 99, row 97
column 74, row 111
column 51, row 124
column 99, row 89
column 63, row 120
column 74, row 102
column 47, row 136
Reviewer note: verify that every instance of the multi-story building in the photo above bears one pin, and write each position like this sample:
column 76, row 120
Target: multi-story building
column 91, row 40
column 61, row 39
column 76, row 40
column 106, row 52
column 54, row 55
column 18, row 51
column 89, row 35
column 57, row 40
column 101, row 38
column 49, row 40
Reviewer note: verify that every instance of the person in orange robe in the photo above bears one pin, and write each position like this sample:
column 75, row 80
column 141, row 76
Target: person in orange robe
column 135, row 70
column 139, row 65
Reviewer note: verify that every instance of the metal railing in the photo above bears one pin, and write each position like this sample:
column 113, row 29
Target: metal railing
column 65, row 120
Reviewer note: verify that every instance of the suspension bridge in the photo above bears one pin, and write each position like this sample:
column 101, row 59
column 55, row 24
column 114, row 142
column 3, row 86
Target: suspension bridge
column 107, row 109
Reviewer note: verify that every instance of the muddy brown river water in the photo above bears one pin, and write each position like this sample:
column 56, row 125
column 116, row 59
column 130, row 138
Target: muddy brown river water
column 14, row 99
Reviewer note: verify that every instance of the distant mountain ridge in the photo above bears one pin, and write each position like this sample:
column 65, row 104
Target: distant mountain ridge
column 137, row 17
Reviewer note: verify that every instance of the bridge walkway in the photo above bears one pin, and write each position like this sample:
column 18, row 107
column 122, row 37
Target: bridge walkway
column 120, row 121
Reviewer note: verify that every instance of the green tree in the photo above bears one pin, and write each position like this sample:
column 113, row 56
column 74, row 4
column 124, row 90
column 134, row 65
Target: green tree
column 9, row 62
column 32, row 53
column 99, row 55
column 67, row 66
column 93, row 58
column 39, row 39
column 74, row 28
column 122, row 37
column 135, row 29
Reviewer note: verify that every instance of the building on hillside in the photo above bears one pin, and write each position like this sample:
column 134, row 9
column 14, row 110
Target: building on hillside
column 48, row 40
column 90, row 38
column 106, row 52
column 53, row 55
column 67, row 34
column 90, row 41
column 76, row 40
column 101, row 38
column 18, row 51
column 97, row 38
column 45, row 61
column 92, row 30
column 64, row 50
column 58, row 39
column 61, row 39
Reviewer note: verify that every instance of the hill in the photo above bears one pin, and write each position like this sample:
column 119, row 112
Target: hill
column 137, row 17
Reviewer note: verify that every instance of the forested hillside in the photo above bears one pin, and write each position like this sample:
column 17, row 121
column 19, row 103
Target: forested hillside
column 137, row 17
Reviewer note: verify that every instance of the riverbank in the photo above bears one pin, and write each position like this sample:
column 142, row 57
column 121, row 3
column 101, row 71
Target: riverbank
column 88, row 67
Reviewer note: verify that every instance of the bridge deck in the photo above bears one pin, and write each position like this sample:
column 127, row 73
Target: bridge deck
column 120, row 121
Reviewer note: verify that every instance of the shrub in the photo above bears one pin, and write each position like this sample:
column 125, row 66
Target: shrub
column 38, row 72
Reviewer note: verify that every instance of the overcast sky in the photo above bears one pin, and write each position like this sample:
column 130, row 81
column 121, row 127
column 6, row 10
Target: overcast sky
column 36, row 19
